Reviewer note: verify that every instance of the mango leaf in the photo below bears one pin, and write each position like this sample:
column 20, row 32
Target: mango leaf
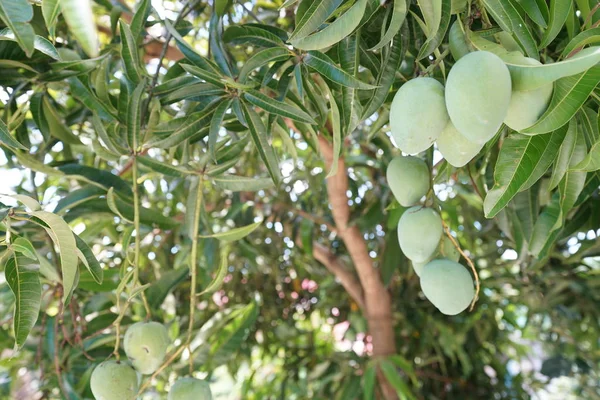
column 586, row 37
column 559, row 11
column 435, row 38
column 336, row 126
column 27, row 160
column 215, row 125
column 369, row 380
column 134, row 116
column 129, row 54
column 17, row 15
column 217, row 281
column 31, row 203
column 80, row 19
column 393, row 376
column 277, row 107
column 97, row 177
column 591, row 162
column 50, row 11
column 159, row 289
column 164, row 168
column 64, row 239
column 258, row 132
column 89, row 259
column 564, row 156
column 243, row 34
column 569, row 95
column 234, row 234
column 241, row 183
column 230, row 338
column 314, row 17
column 207, row 76
column 139, row 18
column 386, row 76
column 111, row 200
column 7, row 139
column 533, row 11
column 351, row 108
column 326, row 67
column 56, row 126
column 509, row 19
column 261, row 58
column 521, row 162
column 22, row 276
column 40, row 43
column 398, row 17
column 334, row 32
column 189, row 52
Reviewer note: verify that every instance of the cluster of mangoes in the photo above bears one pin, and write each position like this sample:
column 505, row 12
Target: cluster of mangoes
column 465, row 115
column 145, row 345
column 445, row 282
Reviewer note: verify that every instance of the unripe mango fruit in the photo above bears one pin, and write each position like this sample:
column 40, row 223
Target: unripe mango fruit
column 145, row 344
column 190, row 389
column 448, row 250
column 418, row 114
column 447, row 285
column 478, row 92
column 455, row 147
column 114, row 380
column 409, row 179
column 419, row 233
column 526, row 106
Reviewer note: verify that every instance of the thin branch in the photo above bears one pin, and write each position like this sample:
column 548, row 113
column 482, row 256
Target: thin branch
column 335, row 266
column 471, row 265
column 473, row 182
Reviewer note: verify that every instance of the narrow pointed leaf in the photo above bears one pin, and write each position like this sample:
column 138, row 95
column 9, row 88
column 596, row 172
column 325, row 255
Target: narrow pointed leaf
column 7, row 139
column 89, row 259
column 509, row 19
column 111, row 200
column 243, row 34
column 40, row 43
column 398, row 17
column 351, row 108
column 276, row 107
column 134, row 116
column 326, row 67
column 50, row 11
column 163, row 168
column 564, row 156
column 22, row 276
column 435, row 39
column 216, row 123
column 314, row 17
column 139, row 18
column 129, row 54
column 559, row 11
column 80, row 19
column 234, row 234
column 242, row 183
column 29, row 202
column 56, row 126
column 261, row 58
column 17, row 15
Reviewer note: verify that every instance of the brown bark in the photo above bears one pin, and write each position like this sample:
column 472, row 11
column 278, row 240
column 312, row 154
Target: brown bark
column 378, row 304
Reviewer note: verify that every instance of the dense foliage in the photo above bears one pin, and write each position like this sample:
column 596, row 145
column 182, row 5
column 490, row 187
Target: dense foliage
column 220, row 167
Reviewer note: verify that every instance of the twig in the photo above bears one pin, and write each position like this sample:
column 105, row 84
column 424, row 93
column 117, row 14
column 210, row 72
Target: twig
column 473, row 182
column 241, row 3
column 471, row 265
column 591, row 14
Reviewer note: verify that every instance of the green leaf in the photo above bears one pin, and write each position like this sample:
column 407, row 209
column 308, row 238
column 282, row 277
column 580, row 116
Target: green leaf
column 244, row 34
column 435, row 39
column 40, row 43
column 221, row 6
column 559, row 11
column 129, row 54
column 56, row 126
column 159, row 289
column 393, row 377
column 83, row 93
column 259, row 135
column 50, row 11
column 88, row 259
column 7, row 139
column 261, row 58
column 215, row 125
column 398, row 17
column 217, row 282
column 334, row 32
column 24, row 246
column 277, row 107
column 521, row 162
column 369, row 380
column 207, row 76
column 17, row 15
column 64, row 239
column 351, row 108
column 591, row 162
column 242, row 183
column 336, row 127
column 27, row 160
column 111, row 200
column 29, row 202
column 134, row 116
column 386, row 77
column 80, row 19
column 314, row 17
column 234, row 234
column 569, row 95
column 509, row 19
column 326, row 67
column 164, row 168
column 564, row 156
column 533, row 11
column 22, row 276
column 97, row 177
column 230, row 338
column 584, row 38
column 189, row 53
column 139, row 18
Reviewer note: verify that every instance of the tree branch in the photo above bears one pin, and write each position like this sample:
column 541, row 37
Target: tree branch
column 335, row 266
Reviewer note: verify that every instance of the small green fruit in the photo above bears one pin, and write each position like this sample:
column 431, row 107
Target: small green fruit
column 527, row 106
column 419, row 233
column 418, row 114
column 190, row 389
column 145, row 344
column 447, row 285
column 409, row 179
column 478, row 92
column 457, row 149
column 114, row 380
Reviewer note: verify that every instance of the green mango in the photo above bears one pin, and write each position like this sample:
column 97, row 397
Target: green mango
column 448, row 286
column 409, row 179
column 145, row 344
column 114, row 380
column 457, row 149
column 419, row 233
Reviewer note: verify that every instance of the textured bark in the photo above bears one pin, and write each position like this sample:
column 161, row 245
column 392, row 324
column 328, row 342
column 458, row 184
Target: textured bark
column 378, row 304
